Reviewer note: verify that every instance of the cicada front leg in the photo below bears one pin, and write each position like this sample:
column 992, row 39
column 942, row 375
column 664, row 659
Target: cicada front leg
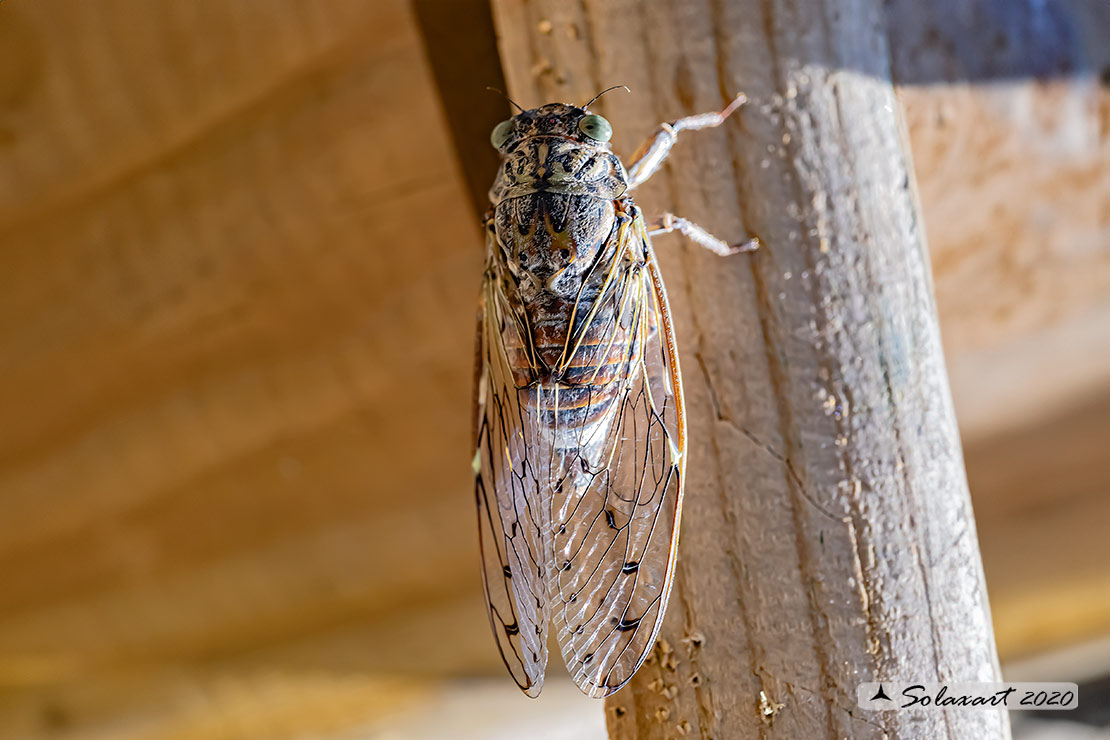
column 669, row 222
column 649, row 157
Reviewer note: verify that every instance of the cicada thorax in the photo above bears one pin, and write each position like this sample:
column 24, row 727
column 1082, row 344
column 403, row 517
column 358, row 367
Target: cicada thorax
column 553, row 164
column 563, row 253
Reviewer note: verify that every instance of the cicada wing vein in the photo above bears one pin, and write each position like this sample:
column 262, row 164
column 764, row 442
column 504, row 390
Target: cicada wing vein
column 615, row 531
column 511, row 516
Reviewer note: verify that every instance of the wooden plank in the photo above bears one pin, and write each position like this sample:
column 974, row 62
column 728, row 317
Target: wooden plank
column 167, row 704
column 1007, row 110
column 1040, row 494
column 238, row 263
column 828, row 535
column 234, row 360
column 283, row 703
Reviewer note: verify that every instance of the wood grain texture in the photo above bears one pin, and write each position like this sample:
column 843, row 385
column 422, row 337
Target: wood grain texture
column 233, row 355
column 170, row 703
column 828, row 537
column 1044, row 550
column 237, row 273
column 1010, row 131
column 1008, row 110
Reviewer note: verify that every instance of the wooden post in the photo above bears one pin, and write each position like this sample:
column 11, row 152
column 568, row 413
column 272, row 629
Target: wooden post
column 828, row 537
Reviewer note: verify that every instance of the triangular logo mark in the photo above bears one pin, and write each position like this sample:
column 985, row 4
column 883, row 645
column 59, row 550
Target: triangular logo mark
column 880, row 694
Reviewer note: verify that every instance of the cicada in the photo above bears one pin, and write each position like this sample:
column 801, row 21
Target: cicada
column 580, row 427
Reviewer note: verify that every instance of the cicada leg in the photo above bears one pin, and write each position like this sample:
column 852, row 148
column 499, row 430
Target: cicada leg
column 669, row 222
column 649, row 157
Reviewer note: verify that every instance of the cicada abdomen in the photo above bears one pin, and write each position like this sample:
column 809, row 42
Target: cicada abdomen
column 580, row 427
column 576, row 352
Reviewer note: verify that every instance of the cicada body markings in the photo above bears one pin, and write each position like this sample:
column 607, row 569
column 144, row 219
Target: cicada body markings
column 580, row 430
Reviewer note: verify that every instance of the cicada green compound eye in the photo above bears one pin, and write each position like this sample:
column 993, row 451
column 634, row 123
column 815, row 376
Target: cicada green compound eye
column 596, row 127
column 500, row 133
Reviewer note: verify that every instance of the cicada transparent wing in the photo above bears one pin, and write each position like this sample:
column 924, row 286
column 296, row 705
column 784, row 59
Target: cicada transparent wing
column 512, row 517
column 581, row 436
column 616, row 529
column 579, row 480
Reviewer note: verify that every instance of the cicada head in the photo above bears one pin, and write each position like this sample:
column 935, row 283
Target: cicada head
column 558, row 148
column 560, row 120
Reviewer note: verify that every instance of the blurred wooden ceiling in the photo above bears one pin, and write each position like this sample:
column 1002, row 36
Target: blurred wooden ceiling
column 239, row 253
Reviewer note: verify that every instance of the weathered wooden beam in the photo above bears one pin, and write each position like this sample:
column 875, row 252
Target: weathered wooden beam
column 828, row 536
column 1007, row 103
column 207, row 400
column 229, row 358
column 1045, row 551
